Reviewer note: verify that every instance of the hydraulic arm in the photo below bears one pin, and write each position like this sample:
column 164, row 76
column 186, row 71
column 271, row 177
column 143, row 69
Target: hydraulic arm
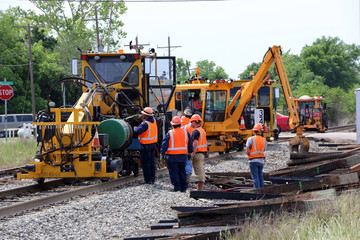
column 273, row 56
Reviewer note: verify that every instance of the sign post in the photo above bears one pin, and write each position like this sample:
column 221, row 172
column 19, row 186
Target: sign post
column 6, row 93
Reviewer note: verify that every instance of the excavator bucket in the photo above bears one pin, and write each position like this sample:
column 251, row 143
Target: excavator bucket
column 299, row 144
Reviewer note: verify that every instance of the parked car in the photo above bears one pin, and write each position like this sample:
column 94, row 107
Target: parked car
column 14, row 121
column 282, row 122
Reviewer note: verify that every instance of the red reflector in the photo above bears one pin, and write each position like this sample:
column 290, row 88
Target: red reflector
column 136, row 56
column 83, row 57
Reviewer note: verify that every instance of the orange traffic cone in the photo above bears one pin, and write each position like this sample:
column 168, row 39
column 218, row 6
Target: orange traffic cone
column 96, row 140
column 242, row 125
column 266, row 128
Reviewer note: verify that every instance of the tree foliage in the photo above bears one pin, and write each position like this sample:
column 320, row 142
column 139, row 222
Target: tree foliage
column 182, row 70
column 327, row 68
column 333, row 60
column 209, row 70
column 76, row 20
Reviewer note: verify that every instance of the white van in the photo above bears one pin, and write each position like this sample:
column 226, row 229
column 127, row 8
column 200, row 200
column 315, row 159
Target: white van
column 14, row 121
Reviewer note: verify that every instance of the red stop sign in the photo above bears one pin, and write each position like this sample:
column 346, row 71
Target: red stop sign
column 6, row 92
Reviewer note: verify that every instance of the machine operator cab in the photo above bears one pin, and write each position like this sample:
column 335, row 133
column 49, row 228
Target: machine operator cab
column 209, row 100
column 312, row 112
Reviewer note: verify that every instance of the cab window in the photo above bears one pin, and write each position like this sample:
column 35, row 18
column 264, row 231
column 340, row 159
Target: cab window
column 215, row 106
column 264, row 96
column 192, row 99
column 132, row 78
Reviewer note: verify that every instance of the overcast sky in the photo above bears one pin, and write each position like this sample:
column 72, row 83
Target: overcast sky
column 235, row 33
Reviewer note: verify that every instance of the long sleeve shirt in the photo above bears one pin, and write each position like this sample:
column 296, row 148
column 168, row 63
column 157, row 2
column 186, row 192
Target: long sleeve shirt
column 143, row 126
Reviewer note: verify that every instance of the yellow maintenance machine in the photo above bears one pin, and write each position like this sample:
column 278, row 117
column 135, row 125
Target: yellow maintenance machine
column 222, row 120
column 215, row 97
column 94, row 137
column 312, row 111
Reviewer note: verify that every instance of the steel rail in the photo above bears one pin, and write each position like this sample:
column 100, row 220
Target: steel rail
column 19, row 208
column 35, row 187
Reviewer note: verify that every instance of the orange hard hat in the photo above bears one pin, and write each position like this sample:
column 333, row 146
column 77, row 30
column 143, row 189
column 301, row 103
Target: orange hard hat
column 147, row 111
column 176, row 121
column 257, row 127
column 195, row 117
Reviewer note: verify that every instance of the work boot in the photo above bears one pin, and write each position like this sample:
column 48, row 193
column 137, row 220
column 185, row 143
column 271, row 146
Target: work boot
column 200, row 186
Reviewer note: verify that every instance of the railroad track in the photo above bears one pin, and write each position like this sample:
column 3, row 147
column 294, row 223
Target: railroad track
column 10, row 171
column 53, row 193
column 351, row 127
column 56, row 197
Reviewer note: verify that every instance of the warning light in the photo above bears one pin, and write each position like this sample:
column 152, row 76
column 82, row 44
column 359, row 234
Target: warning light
column 136, row 56
column 217, row 80
column 252, row 73
column 121, row 51
column 223, row 81
column 83, row 57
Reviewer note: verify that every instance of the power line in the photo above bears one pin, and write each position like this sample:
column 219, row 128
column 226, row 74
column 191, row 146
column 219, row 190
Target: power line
column 17, row 65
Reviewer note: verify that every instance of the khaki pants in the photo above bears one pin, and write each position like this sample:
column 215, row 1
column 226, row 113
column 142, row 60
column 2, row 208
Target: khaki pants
column 199, row 167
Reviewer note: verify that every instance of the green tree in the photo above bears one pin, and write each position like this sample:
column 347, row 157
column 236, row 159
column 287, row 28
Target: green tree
column 210, row 70
column 182, row 70
column 73, row 24
column 246, row 73
column 333, row 60
column 14, row 62
column 69, row 19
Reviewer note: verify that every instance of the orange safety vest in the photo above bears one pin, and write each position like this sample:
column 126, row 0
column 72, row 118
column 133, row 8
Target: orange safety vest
column 257, row 149
column 184, row 121
column 189, row 128
column 178, row 142
column 202, row 146
column 196, row 105
column 150, row 135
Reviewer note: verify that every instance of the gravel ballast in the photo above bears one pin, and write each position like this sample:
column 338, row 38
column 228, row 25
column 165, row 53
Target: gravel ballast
column 121, row 212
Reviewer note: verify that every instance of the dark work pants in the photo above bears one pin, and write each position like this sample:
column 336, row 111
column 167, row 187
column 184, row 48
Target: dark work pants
column 177, row 174
column 148, row 162
column 256, row 170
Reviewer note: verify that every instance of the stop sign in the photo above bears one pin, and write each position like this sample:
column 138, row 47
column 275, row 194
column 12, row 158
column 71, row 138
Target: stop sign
column 6, row 92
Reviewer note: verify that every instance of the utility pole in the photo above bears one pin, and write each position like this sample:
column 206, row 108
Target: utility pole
column 31, row 68
column 169, row 54
column 138, row 46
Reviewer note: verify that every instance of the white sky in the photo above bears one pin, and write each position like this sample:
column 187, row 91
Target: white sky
column 235, row 33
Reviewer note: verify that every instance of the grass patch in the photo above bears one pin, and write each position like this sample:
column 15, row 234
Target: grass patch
column 338, row 219
column 16, row 152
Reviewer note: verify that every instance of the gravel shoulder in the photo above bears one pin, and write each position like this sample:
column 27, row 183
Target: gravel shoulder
column 121, row 212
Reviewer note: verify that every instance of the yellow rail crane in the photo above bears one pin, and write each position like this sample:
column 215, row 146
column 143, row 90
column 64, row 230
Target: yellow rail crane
column 312, row 112
column 221, row 119
column 94, row 137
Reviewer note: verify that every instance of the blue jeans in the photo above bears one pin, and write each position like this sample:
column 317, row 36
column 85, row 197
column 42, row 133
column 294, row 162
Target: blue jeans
column 188, row 167
column 256, row 170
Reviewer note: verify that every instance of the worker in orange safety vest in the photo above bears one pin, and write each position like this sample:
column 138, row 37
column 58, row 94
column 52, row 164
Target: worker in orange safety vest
column 195, row 104
column 177, row 144
column 255, row 149
column 200, row 150
column 148, row 136
column 185, row 119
